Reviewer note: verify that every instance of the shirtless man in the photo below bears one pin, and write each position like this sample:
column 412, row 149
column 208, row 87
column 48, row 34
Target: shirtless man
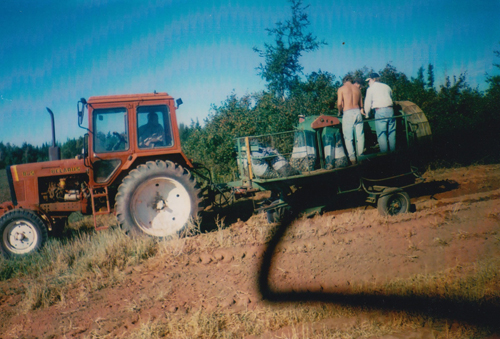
column 350, row 105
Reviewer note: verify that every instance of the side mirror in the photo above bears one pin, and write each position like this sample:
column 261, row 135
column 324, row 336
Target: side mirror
column 81, row 110
column 178, row 102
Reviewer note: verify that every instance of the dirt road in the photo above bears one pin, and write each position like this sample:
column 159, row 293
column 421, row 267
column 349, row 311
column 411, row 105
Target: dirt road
column 331, row 258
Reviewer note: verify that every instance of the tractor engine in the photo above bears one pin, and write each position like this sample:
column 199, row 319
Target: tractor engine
column 63, row 189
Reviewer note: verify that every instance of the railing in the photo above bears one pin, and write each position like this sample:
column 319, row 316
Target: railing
column 302, row 152
column 269, row 155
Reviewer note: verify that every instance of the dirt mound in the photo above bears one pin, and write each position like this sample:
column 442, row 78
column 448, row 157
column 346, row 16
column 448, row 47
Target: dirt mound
column 250, row 279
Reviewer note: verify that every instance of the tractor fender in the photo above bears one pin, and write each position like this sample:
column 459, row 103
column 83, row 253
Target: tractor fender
column 5, row 207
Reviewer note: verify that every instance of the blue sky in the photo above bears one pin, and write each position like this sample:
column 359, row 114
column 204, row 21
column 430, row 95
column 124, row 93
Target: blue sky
column 55, row 52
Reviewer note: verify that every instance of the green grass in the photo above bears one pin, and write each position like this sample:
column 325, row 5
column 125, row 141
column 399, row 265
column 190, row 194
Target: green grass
column 4, row 187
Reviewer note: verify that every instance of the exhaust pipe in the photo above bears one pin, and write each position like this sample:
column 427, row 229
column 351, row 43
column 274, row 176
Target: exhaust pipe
column 54, row 151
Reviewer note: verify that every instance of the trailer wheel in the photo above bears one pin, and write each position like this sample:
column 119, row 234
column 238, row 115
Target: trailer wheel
column 22, row 232
column 158, row 198
column 394, row 203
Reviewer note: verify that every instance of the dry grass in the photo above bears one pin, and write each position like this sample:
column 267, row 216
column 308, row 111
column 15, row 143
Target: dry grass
column 300, row 321
column 313, row 320
column 464, row 235
column 441, row 242
column 203, row 324
column 475, row 283
column 95, row 260
column 98, row 259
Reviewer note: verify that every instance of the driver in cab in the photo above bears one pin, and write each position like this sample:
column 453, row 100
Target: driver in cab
column 152, row 133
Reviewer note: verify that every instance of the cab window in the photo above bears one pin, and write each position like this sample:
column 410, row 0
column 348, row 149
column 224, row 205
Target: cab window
column 154, row 127
column 110, row 130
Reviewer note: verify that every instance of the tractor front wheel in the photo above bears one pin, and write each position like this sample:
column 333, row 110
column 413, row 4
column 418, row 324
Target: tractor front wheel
column 22, row 232
column 158, row 198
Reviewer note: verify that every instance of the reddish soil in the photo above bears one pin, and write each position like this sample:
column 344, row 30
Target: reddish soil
column 456, row 223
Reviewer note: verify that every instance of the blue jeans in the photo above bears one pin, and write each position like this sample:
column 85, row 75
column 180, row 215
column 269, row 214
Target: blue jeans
column 352, row 121
column 386, row 129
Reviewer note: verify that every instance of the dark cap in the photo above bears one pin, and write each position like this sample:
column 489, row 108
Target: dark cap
column 373, row 76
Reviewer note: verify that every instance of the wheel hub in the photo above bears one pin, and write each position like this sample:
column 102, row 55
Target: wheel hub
column 395, row 206
column 21, row 236
column 161, row 206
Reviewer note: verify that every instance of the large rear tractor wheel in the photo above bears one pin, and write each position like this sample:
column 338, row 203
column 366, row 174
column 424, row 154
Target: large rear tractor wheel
column 158, row 198
column 22, row 232
column 394, row 203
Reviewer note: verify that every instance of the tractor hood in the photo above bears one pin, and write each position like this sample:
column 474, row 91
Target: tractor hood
column 23, row 179
column 48, row 169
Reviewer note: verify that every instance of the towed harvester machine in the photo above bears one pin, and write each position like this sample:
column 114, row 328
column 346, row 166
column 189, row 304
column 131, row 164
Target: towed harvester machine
column 307, row 169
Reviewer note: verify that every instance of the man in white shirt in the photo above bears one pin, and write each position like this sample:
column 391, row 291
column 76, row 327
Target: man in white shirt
column 379, row 97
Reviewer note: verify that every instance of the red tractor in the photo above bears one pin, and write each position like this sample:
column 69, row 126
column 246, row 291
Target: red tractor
column 132, row 164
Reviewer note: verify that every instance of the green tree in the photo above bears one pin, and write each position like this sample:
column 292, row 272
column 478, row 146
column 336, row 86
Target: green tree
column 282, row 68
column 185, row 131
column 43, row 153
column 213, row 144
column 398, row 81
column 317, row 95
column 68, row 149
column 2, row 155
column 420, row 76
column 71, row 148
column 455, row 108
column 493, row 92
column 430, row 76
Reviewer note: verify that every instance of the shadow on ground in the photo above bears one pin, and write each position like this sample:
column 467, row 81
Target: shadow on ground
column 484, row 313
column 239, row 210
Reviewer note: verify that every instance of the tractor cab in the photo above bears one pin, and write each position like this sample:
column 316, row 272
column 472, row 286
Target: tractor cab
column 124, row 129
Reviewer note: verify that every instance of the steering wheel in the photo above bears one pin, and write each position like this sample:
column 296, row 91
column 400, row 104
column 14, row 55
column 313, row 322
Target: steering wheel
column 121, row 140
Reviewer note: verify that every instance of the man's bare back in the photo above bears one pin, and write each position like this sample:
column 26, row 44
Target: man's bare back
column 349, row 97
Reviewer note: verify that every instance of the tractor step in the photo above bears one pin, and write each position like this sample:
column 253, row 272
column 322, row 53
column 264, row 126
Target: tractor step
column 95, row 194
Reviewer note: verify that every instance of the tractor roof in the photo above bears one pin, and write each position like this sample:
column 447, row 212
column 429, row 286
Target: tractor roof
column 128, row 97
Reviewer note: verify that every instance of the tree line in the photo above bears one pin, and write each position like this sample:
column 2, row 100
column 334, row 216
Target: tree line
column 462, row 118
column 27, row 153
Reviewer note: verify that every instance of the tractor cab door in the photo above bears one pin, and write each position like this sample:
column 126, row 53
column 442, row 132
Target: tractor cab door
column 110, row 142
